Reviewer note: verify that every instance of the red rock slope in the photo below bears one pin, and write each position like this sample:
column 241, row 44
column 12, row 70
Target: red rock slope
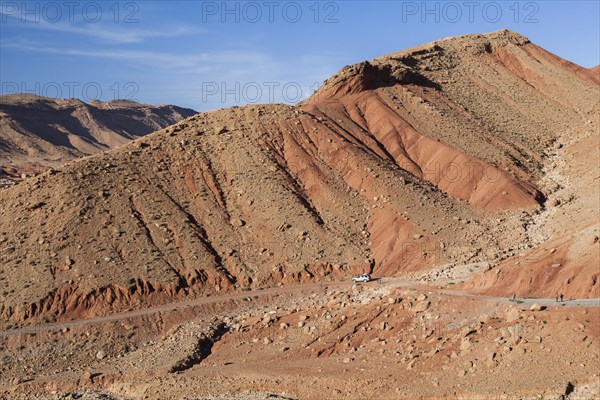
column 437, row 155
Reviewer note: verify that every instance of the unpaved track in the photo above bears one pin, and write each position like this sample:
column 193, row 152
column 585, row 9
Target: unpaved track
column 312, row 287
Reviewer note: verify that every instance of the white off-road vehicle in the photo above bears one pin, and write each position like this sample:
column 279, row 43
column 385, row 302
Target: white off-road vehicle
column 361, row 278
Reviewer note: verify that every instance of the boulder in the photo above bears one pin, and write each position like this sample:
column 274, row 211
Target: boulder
column 537, row 307
column 513, row 315
column 87, row 377
column 466, row 344
column 238, row 223
column 421, row 306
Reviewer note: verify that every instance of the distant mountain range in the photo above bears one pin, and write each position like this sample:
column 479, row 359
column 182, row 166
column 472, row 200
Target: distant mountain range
column 40, row 132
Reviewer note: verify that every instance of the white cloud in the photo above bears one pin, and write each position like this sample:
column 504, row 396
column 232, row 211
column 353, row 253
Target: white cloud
column 179, row 78
column 115, row 33
column 154, row 59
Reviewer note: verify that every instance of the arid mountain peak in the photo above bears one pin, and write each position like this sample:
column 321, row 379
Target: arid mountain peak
column 403, row 67
column 213, row 258
column 414, row 160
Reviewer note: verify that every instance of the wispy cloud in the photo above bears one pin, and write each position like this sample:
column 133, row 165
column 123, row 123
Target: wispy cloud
column 154, row 59
column 118, row 34
column 122, row 36
column 166, row 75
column 184, row 63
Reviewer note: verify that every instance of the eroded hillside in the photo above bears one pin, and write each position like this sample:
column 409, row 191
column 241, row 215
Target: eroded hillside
column 419, row 159
column 37, row 133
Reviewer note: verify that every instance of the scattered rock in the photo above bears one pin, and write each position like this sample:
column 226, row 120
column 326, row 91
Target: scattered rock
column 87, row 377
column 421, row 306
column 537, row 307
column 238, row 223
column 513, row 315
column 484, row 318
column 466, row 344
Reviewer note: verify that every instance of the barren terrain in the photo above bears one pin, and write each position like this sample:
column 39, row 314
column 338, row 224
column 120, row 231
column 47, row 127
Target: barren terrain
column 212, row 259
column 38, row 133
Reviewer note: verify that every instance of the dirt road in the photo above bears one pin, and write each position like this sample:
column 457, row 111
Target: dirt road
column 312, row 287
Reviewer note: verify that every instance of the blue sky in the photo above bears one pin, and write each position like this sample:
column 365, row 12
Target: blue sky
column 213, row 54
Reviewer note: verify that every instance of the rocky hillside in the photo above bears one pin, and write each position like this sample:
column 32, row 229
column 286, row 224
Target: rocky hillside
column 41, row 132
column 437, row 156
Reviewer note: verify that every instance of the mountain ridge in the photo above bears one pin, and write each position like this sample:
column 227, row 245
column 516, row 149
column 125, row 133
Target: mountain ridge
column 37, row 133
column 371, row 174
